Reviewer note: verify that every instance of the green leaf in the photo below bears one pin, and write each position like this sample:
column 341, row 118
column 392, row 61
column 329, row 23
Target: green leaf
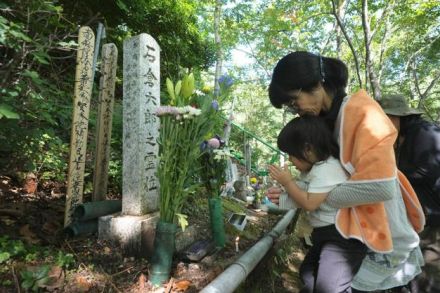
column 187, row 86
column 49, row 118
column 4, row 256
column 27, row 283
column 19, row 35
column 170, row 89
column 12, row 93
column 7, row 283
column 122, row 6
column 7, row 111
column 33, row 75
column 182, row 220
column 178, row 88
column 41, row 57
column 42, row 272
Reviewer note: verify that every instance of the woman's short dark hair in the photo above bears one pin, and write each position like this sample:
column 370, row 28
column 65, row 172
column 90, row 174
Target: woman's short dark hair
column 304, row 70
column 305, row 132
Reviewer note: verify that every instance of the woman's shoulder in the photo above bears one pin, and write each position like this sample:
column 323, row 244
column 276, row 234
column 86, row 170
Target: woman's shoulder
column 361, row 100
column 361, row 107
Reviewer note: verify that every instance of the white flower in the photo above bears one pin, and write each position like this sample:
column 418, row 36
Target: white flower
column 188, row 112
column 195, row 111
column 198, row 93
column 221, row 154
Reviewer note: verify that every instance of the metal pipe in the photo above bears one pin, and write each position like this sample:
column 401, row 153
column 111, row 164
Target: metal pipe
column 100, row 34
column 237, row 272
column 96, row 209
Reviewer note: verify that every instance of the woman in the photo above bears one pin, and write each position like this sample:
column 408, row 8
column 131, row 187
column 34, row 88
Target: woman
column 372, row 207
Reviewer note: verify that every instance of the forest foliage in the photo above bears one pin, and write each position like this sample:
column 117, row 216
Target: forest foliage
column 390, row 46
column 37, row 58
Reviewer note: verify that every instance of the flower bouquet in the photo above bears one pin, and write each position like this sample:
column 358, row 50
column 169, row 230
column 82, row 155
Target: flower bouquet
column 181, row 128
column 183, row 125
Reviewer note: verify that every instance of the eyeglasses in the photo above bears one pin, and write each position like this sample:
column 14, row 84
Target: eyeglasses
column 291, row 106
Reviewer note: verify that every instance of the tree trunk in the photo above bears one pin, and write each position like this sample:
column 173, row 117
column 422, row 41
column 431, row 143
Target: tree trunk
column 350, row 44
column 375, row 87
column 340, row 11
column 219, row 52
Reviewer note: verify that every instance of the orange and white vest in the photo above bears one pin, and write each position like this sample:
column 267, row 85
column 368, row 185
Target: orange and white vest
column 366, row 138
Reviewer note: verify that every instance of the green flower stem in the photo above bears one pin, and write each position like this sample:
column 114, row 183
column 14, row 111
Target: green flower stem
column 179, row 147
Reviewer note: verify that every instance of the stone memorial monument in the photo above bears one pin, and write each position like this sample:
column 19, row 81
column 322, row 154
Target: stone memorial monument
column 134, row 227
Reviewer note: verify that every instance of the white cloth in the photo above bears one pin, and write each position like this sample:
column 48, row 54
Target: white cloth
column 322, row 178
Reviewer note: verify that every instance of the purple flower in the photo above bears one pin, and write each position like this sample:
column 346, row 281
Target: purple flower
column 214, row 105
column 166, row 110
column 226, row 81
column 203, row 145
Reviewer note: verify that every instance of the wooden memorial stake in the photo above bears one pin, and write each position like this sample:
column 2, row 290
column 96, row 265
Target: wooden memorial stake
column 104, row 123
column 81, row 107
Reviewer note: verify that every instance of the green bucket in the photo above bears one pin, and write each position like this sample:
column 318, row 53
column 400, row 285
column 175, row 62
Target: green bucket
column 216, row 216
column 164, row 246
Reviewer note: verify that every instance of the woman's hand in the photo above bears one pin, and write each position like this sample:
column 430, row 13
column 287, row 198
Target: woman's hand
column 281, row 175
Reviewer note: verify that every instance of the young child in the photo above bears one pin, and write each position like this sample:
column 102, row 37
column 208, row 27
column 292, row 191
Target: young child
column 332, row 261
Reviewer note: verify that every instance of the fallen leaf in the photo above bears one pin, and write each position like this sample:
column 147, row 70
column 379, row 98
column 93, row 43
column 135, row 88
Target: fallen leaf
column 287, row 277
column 142, row 280
column 7, row 221
column 181, row 286
column 28, row 235
column 56, row 279
column 31, row 183
column 55, row 194
column 82, row 284
column 169, row 286
column 50, row 227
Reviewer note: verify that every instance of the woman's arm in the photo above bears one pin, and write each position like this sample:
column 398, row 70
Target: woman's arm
column 353, row 194
column 305, row 200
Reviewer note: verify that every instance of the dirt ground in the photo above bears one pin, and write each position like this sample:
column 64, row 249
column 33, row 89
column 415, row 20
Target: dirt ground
column 86, row 264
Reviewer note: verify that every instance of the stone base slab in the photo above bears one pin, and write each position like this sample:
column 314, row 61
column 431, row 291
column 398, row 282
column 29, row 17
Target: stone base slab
column 135, row 234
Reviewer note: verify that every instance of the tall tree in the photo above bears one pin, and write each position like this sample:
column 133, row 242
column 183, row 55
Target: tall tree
column 375, row 87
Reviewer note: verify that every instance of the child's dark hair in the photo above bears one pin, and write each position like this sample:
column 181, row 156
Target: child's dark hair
column 306, row 132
